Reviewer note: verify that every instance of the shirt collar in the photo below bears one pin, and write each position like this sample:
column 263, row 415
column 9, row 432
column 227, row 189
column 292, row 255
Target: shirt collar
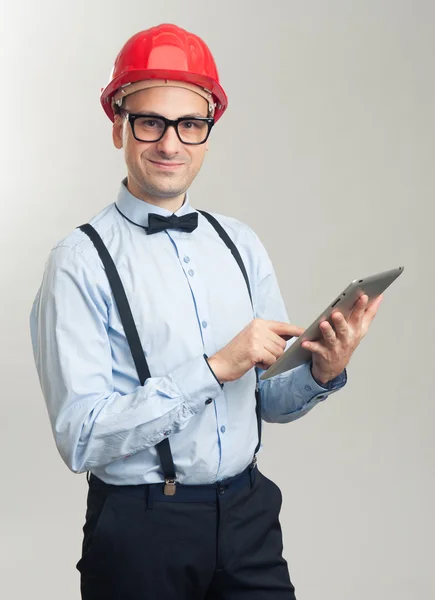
column 138, row 210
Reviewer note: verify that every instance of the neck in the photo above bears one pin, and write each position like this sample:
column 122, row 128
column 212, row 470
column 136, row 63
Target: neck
column 172, row 204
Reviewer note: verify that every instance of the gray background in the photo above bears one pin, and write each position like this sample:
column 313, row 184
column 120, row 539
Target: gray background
column 341, row 186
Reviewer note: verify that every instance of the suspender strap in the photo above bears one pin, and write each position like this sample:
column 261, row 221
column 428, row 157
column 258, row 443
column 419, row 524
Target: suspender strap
column 163, row 448
column 122, row 304
column 231, row 245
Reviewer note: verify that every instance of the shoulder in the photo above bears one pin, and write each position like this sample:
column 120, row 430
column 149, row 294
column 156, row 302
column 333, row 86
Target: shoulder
column 78, row 243
column 76, row 252
column 252, row 251
column 244, row 237
column 240, row 233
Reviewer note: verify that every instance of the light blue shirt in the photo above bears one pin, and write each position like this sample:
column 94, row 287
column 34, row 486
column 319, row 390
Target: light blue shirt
column 188, row 297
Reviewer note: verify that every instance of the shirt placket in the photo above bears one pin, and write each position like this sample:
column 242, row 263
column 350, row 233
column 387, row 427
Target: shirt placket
column 199, row 295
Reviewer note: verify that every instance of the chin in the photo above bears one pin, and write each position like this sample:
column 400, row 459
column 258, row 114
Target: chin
column 165, row 191
column 168, row 186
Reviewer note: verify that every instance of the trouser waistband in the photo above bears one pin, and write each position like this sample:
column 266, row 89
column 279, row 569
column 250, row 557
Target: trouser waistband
column 154, row 492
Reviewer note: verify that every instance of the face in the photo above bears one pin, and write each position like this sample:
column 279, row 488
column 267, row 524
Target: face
column 160, row 171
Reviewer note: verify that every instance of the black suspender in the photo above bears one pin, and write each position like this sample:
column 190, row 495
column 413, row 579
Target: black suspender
column 231, row 245
column 132, row 336
column 131, row 333
column 122, row 304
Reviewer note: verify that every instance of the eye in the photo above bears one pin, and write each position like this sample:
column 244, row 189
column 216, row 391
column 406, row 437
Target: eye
column 193, row 124
column 148, row 123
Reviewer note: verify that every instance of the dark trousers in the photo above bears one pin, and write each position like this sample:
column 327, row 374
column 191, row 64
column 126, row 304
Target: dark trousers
column 218, row 542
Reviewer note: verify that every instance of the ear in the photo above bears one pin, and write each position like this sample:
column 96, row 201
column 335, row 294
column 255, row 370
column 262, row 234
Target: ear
column 117, row 132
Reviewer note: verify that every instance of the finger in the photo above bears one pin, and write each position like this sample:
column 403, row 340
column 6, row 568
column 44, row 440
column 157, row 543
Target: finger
column 361, row 304
column 340, row 325
column 314, row 347
column 283, row 338
column 274, row 347
column 277, row 339
column 267, row 359
column 371, row 311
column 358, row 311
column 328, row 334
column 282, row 328
column 374, row 306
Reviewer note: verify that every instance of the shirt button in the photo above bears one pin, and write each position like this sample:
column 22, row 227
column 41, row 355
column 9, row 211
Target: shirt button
column 191, row 272
column 167, row 432
column 308, row 388
column 223, row 429
column 186, row 259
column 204, row 324
column 208, row 401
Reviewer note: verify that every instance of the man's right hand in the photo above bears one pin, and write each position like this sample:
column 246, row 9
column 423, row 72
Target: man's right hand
column 260, row 344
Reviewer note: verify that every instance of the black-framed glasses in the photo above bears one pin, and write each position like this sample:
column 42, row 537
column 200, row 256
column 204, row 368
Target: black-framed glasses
column 151, row 128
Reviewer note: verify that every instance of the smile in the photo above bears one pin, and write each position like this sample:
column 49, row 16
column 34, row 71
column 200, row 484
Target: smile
column 166, row 166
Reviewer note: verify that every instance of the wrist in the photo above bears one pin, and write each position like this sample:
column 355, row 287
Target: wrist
column 218, row 369
column 320, row 378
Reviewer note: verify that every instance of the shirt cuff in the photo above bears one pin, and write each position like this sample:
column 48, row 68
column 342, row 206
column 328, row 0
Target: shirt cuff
column 308, row 388
column 197, row 383
column 213, row 373
column 335, row 384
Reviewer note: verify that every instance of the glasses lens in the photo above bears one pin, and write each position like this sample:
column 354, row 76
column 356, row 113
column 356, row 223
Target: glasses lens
column 193, row 131
column 148, row 129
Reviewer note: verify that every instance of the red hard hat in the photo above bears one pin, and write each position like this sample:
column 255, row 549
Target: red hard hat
column 165, row 52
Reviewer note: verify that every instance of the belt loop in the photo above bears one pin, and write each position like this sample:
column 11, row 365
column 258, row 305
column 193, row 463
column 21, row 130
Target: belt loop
column 150, row 496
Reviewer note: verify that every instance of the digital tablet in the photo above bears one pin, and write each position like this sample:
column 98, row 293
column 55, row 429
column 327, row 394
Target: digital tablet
column 372, row 286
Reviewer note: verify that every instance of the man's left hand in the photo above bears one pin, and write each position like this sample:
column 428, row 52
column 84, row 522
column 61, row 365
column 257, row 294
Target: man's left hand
column 332, row 353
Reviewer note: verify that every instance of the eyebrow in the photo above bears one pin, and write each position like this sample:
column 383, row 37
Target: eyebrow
column 155, row 114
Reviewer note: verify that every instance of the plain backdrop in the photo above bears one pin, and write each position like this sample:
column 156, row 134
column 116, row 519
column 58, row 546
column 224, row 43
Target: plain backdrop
column 327, row 150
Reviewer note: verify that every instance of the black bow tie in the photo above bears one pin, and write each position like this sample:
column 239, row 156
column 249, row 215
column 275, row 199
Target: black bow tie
column 158, row 223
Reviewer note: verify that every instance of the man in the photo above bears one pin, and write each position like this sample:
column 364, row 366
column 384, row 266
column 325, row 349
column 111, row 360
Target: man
column 149, row 364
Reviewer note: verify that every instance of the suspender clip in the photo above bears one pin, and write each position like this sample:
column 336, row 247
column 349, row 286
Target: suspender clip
column 170, row 487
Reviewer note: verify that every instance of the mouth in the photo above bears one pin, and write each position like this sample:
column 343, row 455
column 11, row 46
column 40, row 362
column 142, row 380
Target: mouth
column 166, row 166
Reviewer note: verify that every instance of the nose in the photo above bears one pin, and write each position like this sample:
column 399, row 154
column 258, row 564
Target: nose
column 169, row 144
